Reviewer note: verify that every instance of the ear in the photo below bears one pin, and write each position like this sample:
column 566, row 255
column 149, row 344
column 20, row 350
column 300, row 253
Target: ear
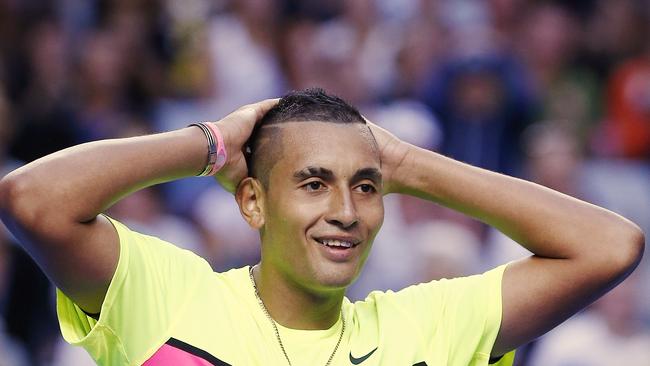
column 250, row 198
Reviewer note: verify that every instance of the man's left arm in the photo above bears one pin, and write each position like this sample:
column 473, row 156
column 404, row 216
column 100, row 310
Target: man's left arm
column 580, row 250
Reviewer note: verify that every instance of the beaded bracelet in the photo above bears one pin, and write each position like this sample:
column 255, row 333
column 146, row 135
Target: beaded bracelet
column 217, row 155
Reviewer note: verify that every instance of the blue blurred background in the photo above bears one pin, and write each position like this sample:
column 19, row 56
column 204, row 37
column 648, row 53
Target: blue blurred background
column 554, row 92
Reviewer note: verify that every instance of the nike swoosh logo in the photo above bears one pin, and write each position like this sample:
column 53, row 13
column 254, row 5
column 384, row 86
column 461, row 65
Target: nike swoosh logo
column 356, row 361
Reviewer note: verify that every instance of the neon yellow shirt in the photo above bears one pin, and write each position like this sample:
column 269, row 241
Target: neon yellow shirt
column 165, row 306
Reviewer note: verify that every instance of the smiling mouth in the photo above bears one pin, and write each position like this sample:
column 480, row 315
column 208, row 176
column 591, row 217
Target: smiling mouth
column 338, row 243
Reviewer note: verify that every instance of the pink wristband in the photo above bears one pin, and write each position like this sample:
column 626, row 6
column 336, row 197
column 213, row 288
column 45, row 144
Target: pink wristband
column 222, row 154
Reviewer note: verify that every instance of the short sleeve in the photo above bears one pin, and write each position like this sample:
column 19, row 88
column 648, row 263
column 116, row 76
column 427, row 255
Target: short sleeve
column 151, row 283
column 462, row 314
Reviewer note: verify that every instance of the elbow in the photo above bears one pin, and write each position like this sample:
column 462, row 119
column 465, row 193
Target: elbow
column 637, row 244
column 16, row 204
column 7, row 193
column 628, row 250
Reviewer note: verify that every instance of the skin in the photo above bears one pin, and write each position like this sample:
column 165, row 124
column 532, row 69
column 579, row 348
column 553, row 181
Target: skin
column 267, row 152
column 312, row 193
column 52, row 205
column 580, row 250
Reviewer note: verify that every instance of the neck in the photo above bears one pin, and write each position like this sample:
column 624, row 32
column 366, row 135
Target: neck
column 293, row 306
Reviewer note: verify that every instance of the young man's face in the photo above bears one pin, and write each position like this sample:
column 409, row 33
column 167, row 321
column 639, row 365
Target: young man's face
column 323, row 205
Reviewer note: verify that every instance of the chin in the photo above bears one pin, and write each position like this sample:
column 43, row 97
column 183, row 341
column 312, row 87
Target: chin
column 336, row 278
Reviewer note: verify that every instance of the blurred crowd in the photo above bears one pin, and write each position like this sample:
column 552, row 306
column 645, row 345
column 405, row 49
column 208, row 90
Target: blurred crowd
column 553, row 92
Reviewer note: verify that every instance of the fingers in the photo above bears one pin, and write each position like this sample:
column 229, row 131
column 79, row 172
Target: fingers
column 259, row 109
column 264, row 106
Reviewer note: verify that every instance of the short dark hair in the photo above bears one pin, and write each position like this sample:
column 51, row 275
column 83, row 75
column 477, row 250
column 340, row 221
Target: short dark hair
column 312, row 104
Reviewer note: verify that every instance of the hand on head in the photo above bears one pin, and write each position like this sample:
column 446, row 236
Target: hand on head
column 236, row 129
column 392, row 152
column 238, row 126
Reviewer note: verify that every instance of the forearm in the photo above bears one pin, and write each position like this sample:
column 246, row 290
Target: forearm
column 51, row 205
column 548, row 223
column 84, row 180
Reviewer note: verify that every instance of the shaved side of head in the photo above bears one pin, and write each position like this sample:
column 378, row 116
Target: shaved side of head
column 265, row 150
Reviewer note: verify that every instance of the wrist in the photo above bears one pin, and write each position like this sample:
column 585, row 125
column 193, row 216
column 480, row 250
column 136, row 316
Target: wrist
column 221, row 151
column 228, row 134
column 394, row 166
column 217, row 155
column 422, row 173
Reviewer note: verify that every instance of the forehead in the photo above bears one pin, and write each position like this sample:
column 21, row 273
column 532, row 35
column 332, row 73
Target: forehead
column 342, row 148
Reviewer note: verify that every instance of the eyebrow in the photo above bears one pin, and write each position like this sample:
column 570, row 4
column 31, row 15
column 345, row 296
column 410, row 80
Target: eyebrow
column 372, row 174
column 325, row 174
column 314, row 171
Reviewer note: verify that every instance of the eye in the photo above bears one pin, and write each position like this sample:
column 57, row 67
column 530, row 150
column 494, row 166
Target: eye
column 314, row 186
column 367, row 188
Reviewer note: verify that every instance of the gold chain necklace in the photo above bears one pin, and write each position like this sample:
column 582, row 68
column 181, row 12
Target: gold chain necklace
column 275, row 327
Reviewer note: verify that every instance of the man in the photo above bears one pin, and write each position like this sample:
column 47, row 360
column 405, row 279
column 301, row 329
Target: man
column 311, row 180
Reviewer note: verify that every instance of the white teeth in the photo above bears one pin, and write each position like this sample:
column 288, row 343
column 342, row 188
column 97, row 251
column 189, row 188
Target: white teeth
column 336, row 243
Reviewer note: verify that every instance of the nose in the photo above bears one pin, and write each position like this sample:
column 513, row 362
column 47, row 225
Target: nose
column 342, row 212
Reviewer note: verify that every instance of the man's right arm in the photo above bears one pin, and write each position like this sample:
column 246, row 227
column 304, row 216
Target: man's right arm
column 52, row 205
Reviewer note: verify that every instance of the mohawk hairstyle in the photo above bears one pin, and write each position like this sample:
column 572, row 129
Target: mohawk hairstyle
column 307, row 105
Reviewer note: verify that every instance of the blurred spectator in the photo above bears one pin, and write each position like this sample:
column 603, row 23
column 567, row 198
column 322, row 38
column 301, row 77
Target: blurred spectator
column 614, row 32
column 567, row 91
column 11, row 352
column 410, row 120
column 44, row 113
column 324, row 55
column 221, row 63
column 29, row 308
column 606, row 334
column 505, row 17
column 7, row 162
column 484, row 104
column 353, row 55
column 375, row 43
column 65, row 355
column 142, row 35
column 103, row 108
column 144, row 211
column 189, row 69
column 242, row 48
column 447, row 250
column 231, row 242
column 421, row 49
column 553, row 159
column 549, row 35
column 469, row 29
column 627, row 128
column 5, row 135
